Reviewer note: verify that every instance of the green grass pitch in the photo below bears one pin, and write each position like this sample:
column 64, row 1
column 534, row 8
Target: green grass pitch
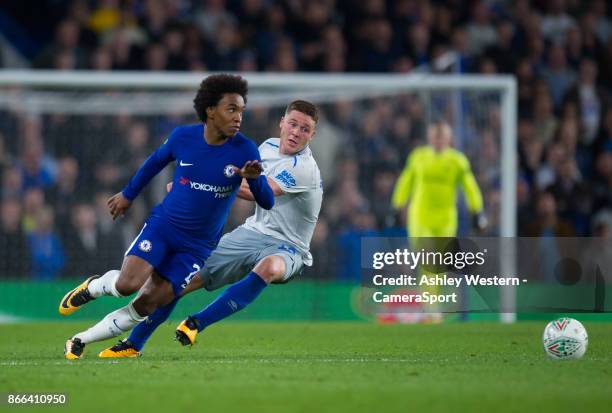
column 311, row 367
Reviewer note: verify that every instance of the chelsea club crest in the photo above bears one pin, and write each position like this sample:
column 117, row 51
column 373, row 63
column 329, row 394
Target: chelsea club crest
column 229, row 171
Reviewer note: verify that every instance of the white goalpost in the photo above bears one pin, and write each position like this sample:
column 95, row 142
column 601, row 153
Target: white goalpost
column 477, row 104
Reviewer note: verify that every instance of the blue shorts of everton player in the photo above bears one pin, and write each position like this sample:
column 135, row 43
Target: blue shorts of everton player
column 175, row 255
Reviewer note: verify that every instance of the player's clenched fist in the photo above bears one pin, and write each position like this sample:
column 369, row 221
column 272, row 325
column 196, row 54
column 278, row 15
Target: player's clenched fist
column 118, row 204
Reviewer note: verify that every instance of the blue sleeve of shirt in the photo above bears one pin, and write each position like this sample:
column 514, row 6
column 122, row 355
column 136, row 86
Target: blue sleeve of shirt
column 151, row 167
column 263, row 194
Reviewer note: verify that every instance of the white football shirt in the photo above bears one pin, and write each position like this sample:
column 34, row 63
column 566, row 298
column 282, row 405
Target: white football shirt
column 294, row 215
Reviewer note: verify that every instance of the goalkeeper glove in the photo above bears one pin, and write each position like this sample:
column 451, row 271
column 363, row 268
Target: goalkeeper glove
column 480, row 222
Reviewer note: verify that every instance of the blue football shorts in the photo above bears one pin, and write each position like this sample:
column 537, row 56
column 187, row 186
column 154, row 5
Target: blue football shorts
column 175, row 256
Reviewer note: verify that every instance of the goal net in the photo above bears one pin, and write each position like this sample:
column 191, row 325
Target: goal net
column 70, row 140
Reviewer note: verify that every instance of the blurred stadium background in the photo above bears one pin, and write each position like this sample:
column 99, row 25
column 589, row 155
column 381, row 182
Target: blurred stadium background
column 67, row 145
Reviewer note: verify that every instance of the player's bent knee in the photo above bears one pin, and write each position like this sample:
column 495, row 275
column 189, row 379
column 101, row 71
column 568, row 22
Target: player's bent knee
column 126, row 286
column 134, row 272
column 271, row 269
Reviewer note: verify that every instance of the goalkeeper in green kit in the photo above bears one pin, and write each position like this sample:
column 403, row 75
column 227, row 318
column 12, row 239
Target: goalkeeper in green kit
column 430, row 180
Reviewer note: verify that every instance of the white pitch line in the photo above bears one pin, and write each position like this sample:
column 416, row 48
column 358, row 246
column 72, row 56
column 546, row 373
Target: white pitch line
column 215, row 361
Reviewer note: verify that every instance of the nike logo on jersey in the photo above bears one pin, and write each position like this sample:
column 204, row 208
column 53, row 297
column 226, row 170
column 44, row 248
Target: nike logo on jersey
column 181, row 163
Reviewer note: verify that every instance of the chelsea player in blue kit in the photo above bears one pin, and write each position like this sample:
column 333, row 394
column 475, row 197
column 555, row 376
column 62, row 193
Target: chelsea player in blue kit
column 211, row 158
column 271, row 247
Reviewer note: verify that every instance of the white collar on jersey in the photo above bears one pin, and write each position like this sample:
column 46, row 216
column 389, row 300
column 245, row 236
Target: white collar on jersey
column 305, row 151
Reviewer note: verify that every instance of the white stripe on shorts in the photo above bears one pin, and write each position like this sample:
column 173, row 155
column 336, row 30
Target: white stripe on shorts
column 135, row 239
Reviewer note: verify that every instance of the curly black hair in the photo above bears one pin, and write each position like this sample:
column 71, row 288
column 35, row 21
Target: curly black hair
column 213, row 88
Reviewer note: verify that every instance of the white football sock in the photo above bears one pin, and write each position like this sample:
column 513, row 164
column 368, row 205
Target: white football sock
column 114, row 324
column 105, row 285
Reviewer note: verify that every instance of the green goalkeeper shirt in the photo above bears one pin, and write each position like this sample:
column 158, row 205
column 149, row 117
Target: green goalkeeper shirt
column 430, row 181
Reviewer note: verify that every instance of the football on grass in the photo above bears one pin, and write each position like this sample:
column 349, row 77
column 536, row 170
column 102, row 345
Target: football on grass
column 565, row 338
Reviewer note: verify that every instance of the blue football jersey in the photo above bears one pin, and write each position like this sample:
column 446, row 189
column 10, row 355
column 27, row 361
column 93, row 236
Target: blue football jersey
column 204, row 184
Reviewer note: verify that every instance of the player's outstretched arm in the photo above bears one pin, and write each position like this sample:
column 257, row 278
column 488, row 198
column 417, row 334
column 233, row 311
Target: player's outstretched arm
column 245, row 192
column 250, row 170
column 258, row 183
column 151, row 167
column 473, row 195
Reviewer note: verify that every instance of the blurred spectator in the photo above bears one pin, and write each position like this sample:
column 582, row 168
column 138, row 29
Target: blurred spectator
column 33, row 203
column 544, row 120
column 212, row 16
column 377, row 52
column 480, row 31
column 604, row 135
column 603, row 23
column 284, row 58
column 558, row 74
column 155, row 17
column 65, row 46
column 174, row 41
column 383, row 183
column 14, row 251
column 47, row 252
column 105, row 17
column 89, row 249
column 226, row 47
column 38, row 169
column 12, row 182
column 268, row 37
column 572, row 195
column 116, row 238
column 547, row 222
column 464, row 60
column 6, row 160
column 252, row 17
column 501, row 51
column 101, row 59
column 63, row 195
column 573, row 47
column 547, row 171
column 156, row 58
column 556, row 22
column 524, row 204
column 590, row 99
column 603, row 179
column 309, row 32
column 418, row 44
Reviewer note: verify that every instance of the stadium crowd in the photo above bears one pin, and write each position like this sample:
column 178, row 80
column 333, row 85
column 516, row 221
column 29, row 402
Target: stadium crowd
column 55, row 182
